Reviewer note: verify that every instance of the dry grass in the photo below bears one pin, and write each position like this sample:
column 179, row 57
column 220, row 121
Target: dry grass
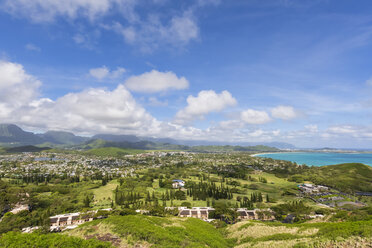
column 276, row 244
column 355, row 242
column 258, row 230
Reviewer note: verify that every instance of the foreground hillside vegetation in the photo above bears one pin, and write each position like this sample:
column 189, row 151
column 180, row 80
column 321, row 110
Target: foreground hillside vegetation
column 137, row 230
column 259, row 234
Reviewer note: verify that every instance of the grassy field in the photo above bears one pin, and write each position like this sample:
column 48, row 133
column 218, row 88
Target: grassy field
column 104, row 194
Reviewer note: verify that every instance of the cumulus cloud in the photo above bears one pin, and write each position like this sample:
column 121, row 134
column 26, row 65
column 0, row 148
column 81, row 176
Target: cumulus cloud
column 155, row 81
column 207, row 101
column 251, row 116
column 89, row 111
column 92, row 110
column 284, row 112
column 17, row 88
column 103, row 72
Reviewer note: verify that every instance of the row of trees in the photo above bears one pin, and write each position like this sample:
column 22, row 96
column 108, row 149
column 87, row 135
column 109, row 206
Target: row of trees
column 203, row 190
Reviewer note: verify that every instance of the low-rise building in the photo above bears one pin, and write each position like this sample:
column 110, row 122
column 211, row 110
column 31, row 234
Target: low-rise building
column 195, row 212
column 177, row 183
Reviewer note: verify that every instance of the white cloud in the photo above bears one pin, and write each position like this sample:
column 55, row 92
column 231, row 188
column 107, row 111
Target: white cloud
column 207, row 101
column 92, row 110
column 182, row 29
column 284, row 112
column 251, row 116
column 99, row 73
column 32, row 47
column 178, row 31
column 98, row 110
column 17, row 88
column 155, row 81
column 345, row 129
column 103, row 72
column 48, row 10
column 146, row 29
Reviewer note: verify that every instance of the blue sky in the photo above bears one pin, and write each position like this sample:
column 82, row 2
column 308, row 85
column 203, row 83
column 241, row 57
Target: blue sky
column 254, row 71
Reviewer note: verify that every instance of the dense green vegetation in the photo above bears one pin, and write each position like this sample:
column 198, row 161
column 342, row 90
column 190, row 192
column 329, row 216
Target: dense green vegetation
column 25, row 149
column 350, row 177
column 17, row 240
column 161, row 232
column 345, row 177
column 112, row 151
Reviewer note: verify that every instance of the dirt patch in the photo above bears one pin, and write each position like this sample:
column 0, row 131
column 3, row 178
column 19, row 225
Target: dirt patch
column 107, row 237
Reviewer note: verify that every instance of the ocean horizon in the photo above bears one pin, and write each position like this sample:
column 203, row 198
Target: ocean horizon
column 320, row 158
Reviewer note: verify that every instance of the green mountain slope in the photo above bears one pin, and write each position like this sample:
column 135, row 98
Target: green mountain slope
column 345, row 177
column 59, row 137
column 112, row 151
column 10, row 133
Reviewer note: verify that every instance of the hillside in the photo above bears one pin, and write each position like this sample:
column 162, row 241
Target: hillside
column 149, row 231
column 59, row 137
column 257, row 148
column 116, row 138
column 10, row 133
column 25, row 149
column 345, row 177
column 112, row 151
column 18, row 240
column 145, row 231
column 322, row 234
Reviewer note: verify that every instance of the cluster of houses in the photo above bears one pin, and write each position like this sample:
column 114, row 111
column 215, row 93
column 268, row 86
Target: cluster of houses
column 255, row 214
column 195, row 212
column 243, row 213
column 71, row 220
column 312, row 189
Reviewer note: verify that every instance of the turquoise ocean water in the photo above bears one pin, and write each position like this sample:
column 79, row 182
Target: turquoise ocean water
column 320, row 158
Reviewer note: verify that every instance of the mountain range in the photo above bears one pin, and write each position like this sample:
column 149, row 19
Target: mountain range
column 12, row 135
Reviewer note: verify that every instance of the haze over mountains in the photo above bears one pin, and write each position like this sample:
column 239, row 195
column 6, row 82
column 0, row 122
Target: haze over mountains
column 12, row 135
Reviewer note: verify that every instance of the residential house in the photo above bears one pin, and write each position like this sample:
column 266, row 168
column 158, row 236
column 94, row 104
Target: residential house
column 178, row 184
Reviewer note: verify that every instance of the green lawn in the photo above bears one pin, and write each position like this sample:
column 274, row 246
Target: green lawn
column 103, row 194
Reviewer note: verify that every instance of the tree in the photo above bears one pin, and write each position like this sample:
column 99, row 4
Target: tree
column 87, row 202
column 180, row 195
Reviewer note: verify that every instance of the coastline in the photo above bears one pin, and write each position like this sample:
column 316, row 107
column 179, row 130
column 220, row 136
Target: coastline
column 265, row 153
column 321, row 161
